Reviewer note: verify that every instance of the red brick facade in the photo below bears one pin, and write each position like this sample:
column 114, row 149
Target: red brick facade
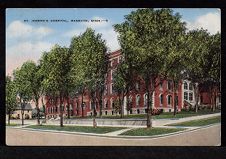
column 163, row 97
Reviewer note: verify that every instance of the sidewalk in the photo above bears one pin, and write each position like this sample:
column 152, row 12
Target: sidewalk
column 162, row 122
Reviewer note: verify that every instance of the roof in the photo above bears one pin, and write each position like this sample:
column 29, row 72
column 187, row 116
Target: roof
column 27, row 107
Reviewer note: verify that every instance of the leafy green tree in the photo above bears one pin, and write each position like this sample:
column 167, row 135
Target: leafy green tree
column 123, row 83
column 197, row 63
column 11, row 95
column 89, row 63
column 23, row 85
column 35, row 77
column 213, row 61
column 147, row 37
column 56, row 68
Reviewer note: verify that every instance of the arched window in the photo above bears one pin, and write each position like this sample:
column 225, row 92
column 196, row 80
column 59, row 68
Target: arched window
column 190, row 86
column 185, row 85
column 161, row 99
column 169, row 99
column 137, row 100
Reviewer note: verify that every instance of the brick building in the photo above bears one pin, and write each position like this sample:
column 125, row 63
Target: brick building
column 163, row 97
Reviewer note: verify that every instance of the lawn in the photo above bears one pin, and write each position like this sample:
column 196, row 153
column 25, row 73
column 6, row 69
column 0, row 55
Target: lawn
column 150, row 132
column 200, row 122
column 85, row 129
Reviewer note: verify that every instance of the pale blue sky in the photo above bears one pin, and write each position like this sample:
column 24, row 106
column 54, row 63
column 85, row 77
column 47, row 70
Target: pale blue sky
column 27, row 40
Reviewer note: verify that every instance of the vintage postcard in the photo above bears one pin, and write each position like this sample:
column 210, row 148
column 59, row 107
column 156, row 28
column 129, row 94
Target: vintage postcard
column 113, row 77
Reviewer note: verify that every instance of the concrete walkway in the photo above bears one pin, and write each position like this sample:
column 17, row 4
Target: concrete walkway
column 162, row 122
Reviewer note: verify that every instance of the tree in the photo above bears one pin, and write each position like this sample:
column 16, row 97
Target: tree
column 35, row 77
column 197, row 65
column 89, row 63
column 11, row 95
column 123, row 83
column 23, row 85
column 213, row 67
column 56, row 67
column 146, row 37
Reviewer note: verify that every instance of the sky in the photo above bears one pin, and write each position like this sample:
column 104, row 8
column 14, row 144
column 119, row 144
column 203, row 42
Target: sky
column 27, row 38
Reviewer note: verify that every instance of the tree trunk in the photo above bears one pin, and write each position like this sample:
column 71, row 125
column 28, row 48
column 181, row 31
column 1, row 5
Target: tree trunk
column 174, row 98
column 44, row 108
column 68, row 109
column 121, row 108
column 82, row 104
column 22, row 116
column 61, row 112
column 147, row 82
column 38, row 112
column 9, row 112
column 196, row 97
column 22, row 111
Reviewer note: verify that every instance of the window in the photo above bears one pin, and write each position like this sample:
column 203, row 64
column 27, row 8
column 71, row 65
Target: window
column 186, row 95
column 161, row 99
column 169, row 99
column 190, row 96
column 169, row 85
column 106, row 113
column 190, row 86
column 137, row 100
column 105, row 90
column 145, row 99
column 185, row 85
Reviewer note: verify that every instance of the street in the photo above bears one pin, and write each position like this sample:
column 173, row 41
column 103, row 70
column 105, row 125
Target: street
column 209, row 136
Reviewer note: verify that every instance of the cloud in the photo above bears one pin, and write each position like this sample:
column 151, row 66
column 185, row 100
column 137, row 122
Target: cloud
column 111, row 38
column 102, row 27
column 21, row 52
column 209, row 21
column 18, row 29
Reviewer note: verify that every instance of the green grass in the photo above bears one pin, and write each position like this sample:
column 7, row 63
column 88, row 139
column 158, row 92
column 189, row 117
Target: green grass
column 200, row 122
column 86, row 129
column 150, row 131
column 12, row 124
